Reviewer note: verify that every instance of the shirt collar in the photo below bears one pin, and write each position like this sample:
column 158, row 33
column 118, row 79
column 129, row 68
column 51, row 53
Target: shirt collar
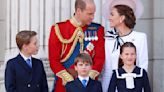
column 82, row 78
column 24, row 57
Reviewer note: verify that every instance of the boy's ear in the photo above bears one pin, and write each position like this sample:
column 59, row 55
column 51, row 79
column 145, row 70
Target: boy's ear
column 24, row 47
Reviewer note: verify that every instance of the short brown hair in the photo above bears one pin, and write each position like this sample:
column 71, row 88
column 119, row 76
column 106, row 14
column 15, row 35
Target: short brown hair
column 83, row 57
column 130, row 19
column 24, row 37
column 82, row 4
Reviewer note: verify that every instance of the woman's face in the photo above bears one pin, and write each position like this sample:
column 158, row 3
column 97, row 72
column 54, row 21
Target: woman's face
column 114, row 18
column 128, row 56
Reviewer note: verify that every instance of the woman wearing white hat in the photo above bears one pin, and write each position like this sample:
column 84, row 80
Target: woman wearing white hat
column 122, row 16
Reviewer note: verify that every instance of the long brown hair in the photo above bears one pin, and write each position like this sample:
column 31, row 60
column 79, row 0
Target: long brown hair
column 130, row 19
column 125, row 45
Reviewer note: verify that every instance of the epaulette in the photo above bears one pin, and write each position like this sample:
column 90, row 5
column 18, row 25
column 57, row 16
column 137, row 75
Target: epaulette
column 62, row 22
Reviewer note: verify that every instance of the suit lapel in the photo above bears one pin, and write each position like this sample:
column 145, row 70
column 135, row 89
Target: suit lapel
column 90, row 85
column 23, row 63
column 80, row 85
column 34, row 66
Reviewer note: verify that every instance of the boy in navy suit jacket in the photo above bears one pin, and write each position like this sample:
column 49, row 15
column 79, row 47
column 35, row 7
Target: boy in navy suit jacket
column 25, row 73
column 83, row 64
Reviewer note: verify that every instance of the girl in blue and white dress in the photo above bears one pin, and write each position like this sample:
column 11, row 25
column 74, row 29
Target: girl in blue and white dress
column 129, row 78
column 122, row 17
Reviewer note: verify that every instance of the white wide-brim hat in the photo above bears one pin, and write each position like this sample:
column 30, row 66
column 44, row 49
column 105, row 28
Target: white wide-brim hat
column 136, row 6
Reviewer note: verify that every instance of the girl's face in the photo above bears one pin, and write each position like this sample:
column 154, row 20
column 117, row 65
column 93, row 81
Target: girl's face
column 128, row 56
column 115, row 18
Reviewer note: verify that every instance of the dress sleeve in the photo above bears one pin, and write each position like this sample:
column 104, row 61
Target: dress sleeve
column 146, row 82
column 113, row 83
column 143, row 53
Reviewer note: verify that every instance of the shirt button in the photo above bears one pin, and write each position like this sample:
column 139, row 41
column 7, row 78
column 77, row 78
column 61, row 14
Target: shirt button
column 28, row 85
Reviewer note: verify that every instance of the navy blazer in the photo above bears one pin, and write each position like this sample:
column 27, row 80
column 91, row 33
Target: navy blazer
column 19, row 77
column 77, row 86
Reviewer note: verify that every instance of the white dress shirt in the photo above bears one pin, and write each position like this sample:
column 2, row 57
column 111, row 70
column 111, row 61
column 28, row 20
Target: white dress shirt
column 82, row 78
column 25, row 58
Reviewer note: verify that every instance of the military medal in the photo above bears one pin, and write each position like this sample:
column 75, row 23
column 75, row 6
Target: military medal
column 89, row 36
column 96, row 37
column 90, row 46
column 93, row 36
column 86, row 36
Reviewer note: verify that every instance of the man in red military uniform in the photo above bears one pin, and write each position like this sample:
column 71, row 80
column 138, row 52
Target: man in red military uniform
column 74, row 36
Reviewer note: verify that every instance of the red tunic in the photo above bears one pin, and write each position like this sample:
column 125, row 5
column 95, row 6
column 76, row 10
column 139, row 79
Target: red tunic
column 55, row 48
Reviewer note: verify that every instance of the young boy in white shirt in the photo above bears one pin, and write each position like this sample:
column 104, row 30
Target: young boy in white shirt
column 83, row 83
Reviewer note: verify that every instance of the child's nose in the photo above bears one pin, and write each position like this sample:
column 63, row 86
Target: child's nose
column 84, row 66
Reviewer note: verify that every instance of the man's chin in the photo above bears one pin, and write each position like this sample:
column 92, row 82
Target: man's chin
column 35, row 53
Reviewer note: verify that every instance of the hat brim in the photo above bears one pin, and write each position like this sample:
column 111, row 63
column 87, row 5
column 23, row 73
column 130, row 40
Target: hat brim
column 106, row 8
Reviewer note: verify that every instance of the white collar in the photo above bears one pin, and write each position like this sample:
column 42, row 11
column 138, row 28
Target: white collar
column 24, row 57
column 82, row 78
column 129, row 78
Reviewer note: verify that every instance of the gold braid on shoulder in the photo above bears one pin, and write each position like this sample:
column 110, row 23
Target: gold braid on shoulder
column 78, row 35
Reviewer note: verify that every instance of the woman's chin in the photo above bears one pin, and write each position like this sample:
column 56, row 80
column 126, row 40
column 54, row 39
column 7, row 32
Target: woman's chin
column 111, row 26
